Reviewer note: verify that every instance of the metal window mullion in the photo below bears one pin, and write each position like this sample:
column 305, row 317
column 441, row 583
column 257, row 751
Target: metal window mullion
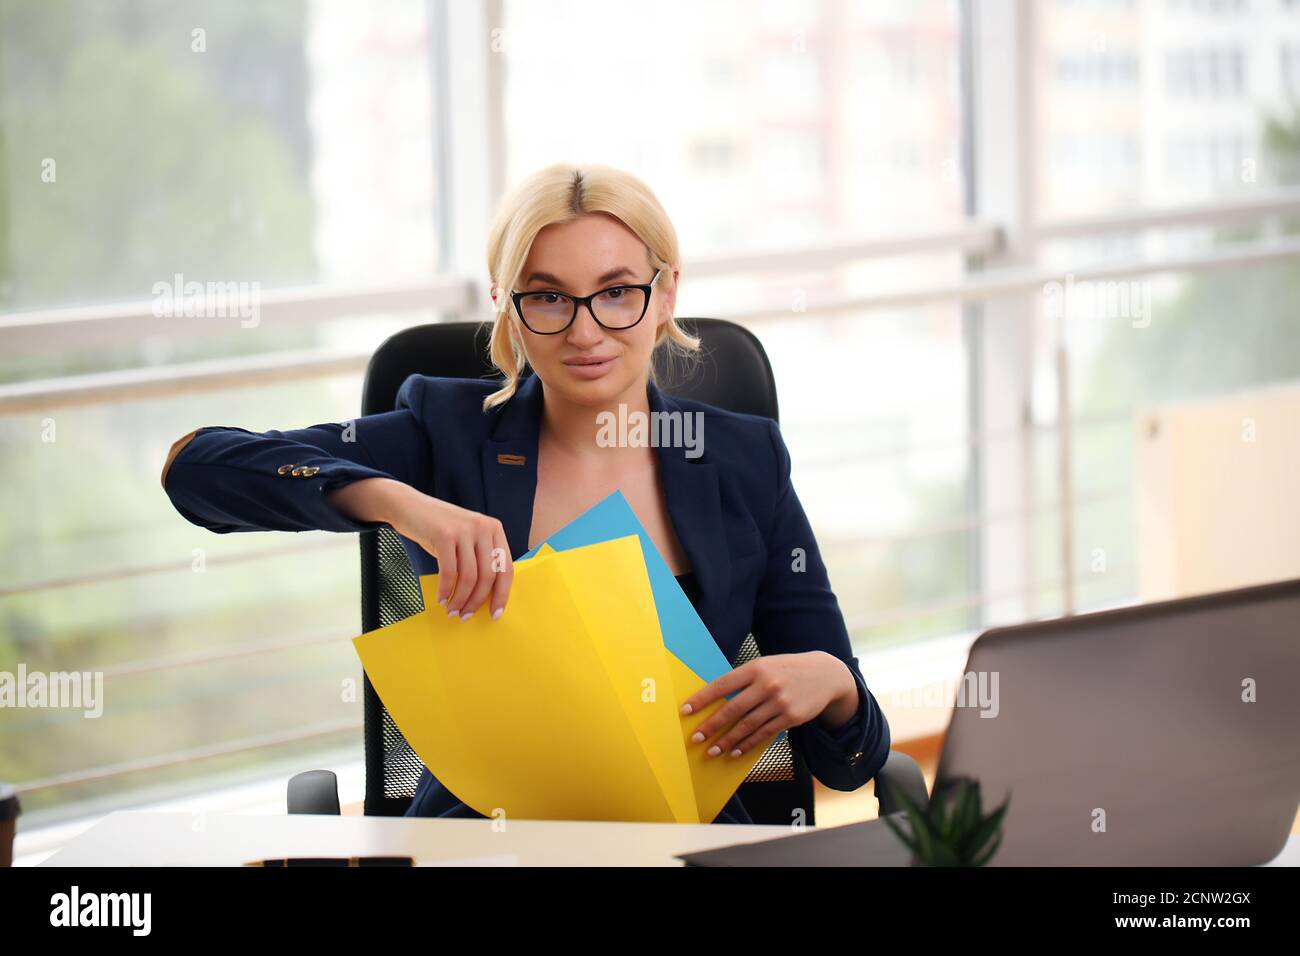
column 470, row 125
column 1002, row 175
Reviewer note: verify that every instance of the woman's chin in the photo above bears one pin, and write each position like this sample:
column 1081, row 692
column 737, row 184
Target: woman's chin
column 595, row 393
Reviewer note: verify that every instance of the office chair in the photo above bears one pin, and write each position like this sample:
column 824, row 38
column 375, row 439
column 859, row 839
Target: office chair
column 735, row 374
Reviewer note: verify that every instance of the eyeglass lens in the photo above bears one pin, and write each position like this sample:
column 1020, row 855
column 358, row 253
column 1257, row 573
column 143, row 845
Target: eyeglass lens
column 616, row 308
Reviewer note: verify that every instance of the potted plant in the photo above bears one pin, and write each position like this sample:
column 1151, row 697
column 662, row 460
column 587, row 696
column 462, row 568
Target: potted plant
column 952, row 830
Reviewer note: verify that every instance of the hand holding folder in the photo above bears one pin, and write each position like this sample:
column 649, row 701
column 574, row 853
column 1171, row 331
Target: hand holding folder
column 567, row 707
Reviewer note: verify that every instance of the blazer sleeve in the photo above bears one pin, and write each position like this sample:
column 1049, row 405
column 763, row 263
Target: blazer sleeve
column 797, row 611
column 231, row 479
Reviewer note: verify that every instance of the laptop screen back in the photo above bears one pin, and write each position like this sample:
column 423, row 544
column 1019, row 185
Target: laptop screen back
column 1162, row 735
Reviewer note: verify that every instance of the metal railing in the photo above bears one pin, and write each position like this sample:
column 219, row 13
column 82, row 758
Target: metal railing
column 163, row 761
column 94, row 325
column 456, row 296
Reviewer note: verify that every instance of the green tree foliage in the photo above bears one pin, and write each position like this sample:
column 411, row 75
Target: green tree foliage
column 166, row 159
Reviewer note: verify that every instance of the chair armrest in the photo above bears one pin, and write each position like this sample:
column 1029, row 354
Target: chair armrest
column 900, row 772
column 314, row 791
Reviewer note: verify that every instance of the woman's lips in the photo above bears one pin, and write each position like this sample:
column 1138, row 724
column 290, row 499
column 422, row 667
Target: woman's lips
column 590, row 371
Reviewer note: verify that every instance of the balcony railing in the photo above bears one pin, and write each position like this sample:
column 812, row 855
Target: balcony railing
column 455, row 297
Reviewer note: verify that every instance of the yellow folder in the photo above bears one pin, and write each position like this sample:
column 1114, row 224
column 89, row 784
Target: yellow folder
column 566, row 707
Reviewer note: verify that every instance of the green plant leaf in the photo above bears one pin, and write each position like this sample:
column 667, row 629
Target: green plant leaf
column 987, row 829
column 945, row 855
column 987, row 855
column 970, row 813
column 965, row 810
column 904, row 838
column 908, row 839
column 922, row 837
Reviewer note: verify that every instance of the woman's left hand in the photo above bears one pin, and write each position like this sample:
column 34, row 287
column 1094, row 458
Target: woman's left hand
column 776, row 692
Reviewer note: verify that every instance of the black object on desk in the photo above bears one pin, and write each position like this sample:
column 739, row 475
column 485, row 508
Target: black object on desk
column 9, row 810
column 336, row 861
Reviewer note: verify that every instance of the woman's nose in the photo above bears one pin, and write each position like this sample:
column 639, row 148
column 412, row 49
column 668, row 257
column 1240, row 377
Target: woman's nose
column 585, row 330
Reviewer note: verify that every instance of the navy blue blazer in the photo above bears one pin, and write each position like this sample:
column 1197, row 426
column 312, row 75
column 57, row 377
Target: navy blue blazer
column 733, row 507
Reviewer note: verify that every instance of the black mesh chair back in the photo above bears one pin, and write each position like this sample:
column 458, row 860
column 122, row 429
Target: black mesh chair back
column 734, row 373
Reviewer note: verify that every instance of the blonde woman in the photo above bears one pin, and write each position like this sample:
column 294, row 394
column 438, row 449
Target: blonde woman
column 584, row 267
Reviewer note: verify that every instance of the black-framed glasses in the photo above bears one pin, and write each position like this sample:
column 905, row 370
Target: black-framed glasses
column 617, row 308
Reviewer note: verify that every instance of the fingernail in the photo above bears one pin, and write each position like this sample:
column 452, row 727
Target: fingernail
column 697, row 737
column 736, row 752
column 687, row 708
column 442, row 601
column 714, row 750
column 452, row 613
column 466, row 617
column 496, row 615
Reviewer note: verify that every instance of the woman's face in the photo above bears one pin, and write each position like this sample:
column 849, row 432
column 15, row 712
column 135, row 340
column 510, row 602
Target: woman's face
column 585, row 256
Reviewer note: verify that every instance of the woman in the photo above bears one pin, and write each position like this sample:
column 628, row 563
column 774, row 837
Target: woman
column 472, row 474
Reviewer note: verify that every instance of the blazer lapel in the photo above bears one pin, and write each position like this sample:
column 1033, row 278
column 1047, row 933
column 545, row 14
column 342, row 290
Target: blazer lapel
column 509, row 457
column 695, row 507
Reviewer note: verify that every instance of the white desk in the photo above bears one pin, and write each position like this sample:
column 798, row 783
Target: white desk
column 134, row 838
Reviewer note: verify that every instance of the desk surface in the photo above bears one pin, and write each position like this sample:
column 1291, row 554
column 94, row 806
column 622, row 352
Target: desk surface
column 133, row 838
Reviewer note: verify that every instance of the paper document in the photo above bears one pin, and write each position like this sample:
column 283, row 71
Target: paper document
column 567, row 707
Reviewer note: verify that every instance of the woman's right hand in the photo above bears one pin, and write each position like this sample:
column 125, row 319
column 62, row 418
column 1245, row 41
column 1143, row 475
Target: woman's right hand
column 474, row 562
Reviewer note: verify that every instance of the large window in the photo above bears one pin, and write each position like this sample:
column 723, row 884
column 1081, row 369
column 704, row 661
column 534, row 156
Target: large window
column 759, row 125
column 272, row 148
column 151, row 144
column 1199, row 113
column 906, row 202
column 768, row 127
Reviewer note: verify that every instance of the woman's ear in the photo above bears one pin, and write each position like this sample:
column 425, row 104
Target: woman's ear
column 668, row 300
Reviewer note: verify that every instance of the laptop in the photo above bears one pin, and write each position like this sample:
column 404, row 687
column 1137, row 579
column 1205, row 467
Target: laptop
column 1166, row 734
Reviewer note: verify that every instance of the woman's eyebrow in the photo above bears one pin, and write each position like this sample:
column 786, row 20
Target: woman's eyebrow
column 609, row 276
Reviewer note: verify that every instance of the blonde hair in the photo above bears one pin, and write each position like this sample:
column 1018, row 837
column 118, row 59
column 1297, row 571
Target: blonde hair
column 561, row 193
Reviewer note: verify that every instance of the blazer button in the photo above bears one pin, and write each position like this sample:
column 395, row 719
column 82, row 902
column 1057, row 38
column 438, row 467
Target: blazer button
column 308, row 472
column 283, row 469
column 856, row 757
column 297, row 471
